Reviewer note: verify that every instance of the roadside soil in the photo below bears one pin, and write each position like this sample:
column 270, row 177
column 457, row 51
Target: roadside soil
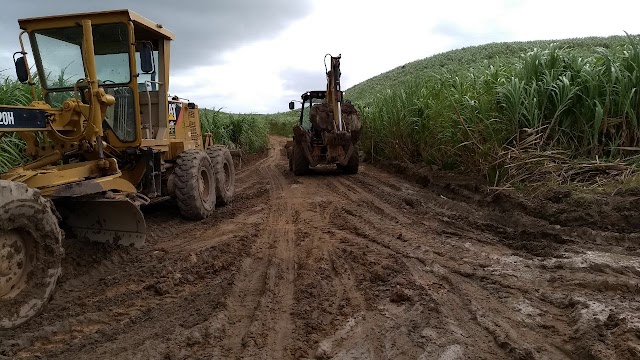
column 366, row 266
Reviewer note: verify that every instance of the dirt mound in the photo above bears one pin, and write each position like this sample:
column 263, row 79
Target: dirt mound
column 322, row 117
column 590, row 209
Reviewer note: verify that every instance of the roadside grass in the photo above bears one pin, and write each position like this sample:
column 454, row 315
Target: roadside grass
column 12, row 92
column 567, row 111
column 249, row 132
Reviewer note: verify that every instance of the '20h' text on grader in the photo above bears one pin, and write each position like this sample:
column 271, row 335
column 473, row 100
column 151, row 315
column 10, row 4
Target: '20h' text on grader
column 105, row 140
column 330, row 131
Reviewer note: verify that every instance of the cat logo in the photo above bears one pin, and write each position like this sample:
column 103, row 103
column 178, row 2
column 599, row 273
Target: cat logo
column 6, row 118
column 172, row 112
column 174, row 118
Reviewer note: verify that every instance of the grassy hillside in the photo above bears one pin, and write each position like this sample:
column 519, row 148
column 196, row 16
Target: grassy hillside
column 513, row 111
column 464, row 59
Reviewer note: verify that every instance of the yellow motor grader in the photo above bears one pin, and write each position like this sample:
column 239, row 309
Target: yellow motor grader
column 330, row 131
column 104, row 139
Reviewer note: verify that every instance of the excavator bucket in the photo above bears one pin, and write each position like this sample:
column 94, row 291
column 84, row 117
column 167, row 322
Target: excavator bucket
column 115, row 221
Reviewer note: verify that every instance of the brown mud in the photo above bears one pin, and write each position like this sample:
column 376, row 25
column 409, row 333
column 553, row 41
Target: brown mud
column 369, row 266
column 322, row 117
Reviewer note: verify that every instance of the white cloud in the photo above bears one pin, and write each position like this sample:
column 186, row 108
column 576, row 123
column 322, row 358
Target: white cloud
column 376, row 36
column 373, row 36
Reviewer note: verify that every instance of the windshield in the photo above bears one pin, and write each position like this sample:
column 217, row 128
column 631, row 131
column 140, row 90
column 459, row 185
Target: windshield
column 60, row 55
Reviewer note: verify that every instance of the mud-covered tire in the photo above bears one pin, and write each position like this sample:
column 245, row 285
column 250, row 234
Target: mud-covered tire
column 225, row 174
column 195, row 184
column 300, row 163
column 30, row 253
column 353, row 164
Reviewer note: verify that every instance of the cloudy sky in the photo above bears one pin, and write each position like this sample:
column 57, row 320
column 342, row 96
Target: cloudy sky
column 256, row 55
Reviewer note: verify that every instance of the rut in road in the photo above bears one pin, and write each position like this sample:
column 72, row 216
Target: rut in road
column 259, row 307
column 368, row 266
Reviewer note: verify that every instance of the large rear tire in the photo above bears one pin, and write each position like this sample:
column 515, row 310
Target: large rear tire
column 30, row 253
column 224, row 172
column 195, row 184
column 300, row 162
column 353, row 164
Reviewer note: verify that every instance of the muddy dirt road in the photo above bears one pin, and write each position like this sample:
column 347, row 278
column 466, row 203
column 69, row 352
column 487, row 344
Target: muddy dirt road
column 368, row 266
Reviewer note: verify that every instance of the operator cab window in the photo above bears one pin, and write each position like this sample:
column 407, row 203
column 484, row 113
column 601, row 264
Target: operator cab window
column 58, row 54
column 147, row 81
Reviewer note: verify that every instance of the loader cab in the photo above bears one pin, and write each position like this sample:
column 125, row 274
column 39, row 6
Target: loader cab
column 309, row 99
column 131, row 56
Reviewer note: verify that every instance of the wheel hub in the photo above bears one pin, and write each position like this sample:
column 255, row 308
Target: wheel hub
column 13, row 262
column 204, row 184
column 227, row 176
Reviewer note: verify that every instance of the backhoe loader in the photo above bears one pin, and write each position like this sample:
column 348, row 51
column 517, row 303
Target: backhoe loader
column 330, row 132
column 104, row 139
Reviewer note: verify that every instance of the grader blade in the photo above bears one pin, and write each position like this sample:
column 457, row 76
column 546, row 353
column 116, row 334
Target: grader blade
column 115, row 221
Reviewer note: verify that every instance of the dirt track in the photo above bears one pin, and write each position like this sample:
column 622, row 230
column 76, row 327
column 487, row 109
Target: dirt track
column 368, row 266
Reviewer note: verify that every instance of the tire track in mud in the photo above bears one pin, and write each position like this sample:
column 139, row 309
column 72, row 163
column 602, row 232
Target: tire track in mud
column 260, row 304
column 436, row 273
column 457, row 282
column 120, row 303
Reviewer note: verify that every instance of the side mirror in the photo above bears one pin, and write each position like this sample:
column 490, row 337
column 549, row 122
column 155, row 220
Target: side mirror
column 21, row 70
column 146, row 58
column 292, row 105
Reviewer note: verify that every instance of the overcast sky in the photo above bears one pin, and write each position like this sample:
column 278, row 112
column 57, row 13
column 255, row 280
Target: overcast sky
column 256, row 55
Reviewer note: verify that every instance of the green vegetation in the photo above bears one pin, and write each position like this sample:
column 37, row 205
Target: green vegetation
column 245, row 131
column 508, row 109
column 282, row 123
column 249, row 132
column 469, row 58
column 12, row 92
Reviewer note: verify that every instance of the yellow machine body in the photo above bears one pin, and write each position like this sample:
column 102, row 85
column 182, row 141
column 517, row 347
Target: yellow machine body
column 105, row 127
column 104, row 138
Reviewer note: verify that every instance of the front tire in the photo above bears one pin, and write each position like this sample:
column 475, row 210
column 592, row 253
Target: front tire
column 30, row 253
column 195, row 184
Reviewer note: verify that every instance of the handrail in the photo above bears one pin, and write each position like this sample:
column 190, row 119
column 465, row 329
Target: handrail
column 146, row 88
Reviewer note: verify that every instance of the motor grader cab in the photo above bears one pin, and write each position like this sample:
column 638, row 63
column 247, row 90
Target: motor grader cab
column 104, row 139
column 329, row 131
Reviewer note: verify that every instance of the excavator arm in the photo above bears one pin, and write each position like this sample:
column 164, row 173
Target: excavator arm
column 334, row 94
